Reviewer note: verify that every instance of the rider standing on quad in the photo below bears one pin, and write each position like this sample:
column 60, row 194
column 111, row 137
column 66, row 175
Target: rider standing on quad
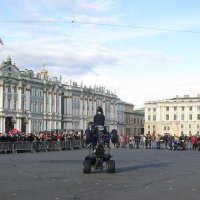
column 99, row 118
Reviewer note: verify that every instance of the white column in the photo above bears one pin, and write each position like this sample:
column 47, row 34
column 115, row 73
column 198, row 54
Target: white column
column 2, row 125
column 70, row 103
column 86, row 111
column 28, row 99
column 59, row 104
column 103, row 106
column 6, row 102
column 17, row 125
column 95, row 106
column 19, row 98
column 44, row 124
column 59, row 124
column 49, row 125
column 45, row 105
column 81, row 106
column 50, row 101
column 90, row 107
column 1, row 94
column 68, row 106
column 55, row 102
column 112, row 111
column 28, row 127
column 65, row 105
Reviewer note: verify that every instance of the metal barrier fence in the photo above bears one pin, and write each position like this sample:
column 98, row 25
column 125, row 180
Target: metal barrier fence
column 26, row 146
column 139, row 144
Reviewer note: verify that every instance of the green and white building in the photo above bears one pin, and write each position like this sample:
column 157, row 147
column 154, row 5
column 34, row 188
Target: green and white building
column 32, row 102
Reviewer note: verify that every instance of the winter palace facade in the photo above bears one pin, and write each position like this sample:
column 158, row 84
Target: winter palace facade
column 33, row 102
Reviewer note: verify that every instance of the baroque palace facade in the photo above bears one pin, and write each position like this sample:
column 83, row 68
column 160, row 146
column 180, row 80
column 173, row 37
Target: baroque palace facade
column 176, row 116
column 33, row 102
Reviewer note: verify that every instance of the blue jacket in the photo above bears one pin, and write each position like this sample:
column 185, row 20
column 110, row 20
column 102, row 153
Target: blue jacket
column 99, row 119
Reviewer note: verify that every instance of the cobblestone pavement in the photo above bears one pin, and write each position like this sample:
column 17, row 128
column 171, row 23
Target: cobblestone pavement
column 140, row 175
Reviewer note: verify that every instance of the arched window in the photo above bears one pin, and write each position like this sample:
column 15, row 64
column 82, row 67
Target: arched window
column 9, row 88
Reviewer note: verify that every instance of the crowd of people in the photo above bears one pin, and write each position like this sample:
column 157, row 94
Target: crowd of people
column 149, row 141
column 165, row 141
column 41, row 136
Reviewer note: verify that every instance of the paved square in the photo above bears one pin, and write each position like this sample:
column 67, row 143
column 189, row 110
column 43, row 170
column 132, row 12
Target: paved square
column 140, row 174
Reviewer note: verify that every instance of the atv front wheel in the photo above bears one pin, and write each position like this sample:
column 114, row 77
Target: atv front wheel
column 110, row 166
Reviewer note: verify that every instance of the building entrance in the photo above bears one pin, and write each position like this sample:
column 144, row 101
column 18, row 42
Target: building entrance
column 9, row 124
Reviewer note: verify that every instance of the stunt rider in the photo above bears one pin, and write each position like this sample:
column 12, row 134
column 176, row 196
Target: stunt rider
column 98, row 120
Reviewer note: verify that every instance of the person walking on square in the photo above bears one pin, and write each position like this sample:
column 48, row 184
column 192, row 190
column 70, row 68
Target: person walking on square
column 194, row 141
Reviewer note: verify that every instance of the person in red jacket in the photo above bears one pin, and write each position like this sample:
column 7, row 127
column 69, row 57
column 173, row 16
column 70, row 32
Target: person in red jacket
column 194, row 141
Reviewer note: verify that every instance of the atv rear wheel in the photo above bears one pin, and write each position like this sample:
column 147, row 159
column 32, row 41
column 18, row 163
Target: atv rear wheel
column 87, row 166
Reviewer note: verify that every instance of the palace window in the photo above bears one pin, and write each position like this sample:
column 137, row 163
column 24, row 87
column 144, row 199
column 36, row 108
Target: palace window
column 175, row 108
column 15, row 104
column 35, row 107
column 9, row 103
column 175, row 117
column 22, row 105
column 182, row 126
column 182, row 133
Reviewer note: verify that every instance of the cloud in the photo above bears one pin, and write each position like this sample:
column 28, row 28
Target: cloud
column 94, row 7
column 121, row 59
column 72, row 60
column 42, row 9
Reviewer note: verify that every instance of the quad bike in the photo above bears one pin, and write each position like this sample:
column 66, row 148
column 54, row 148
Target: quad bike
column 99, row 153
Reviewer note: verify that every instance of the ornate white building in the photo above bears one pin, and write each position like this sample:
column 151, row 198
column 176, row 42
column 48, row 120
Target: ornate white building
column 33, row 102
column 28, row 102
column 80, row 104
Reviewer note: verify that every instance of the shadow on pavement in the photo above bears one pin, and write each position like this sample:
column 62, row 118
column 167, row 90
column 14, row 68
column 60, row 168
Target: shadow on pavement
column 139, row 167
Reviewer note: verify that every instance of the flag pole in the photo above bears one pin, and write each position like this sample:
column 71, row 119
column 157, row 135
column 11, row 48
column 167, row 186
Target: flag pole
column 1, row 42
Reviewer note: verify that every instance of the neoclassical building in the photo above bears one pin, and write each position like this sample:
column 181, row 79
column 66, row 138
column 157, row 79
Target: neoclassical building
column 80, row 104
column 33, row 102
column 28, row 102
column 175, row 116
